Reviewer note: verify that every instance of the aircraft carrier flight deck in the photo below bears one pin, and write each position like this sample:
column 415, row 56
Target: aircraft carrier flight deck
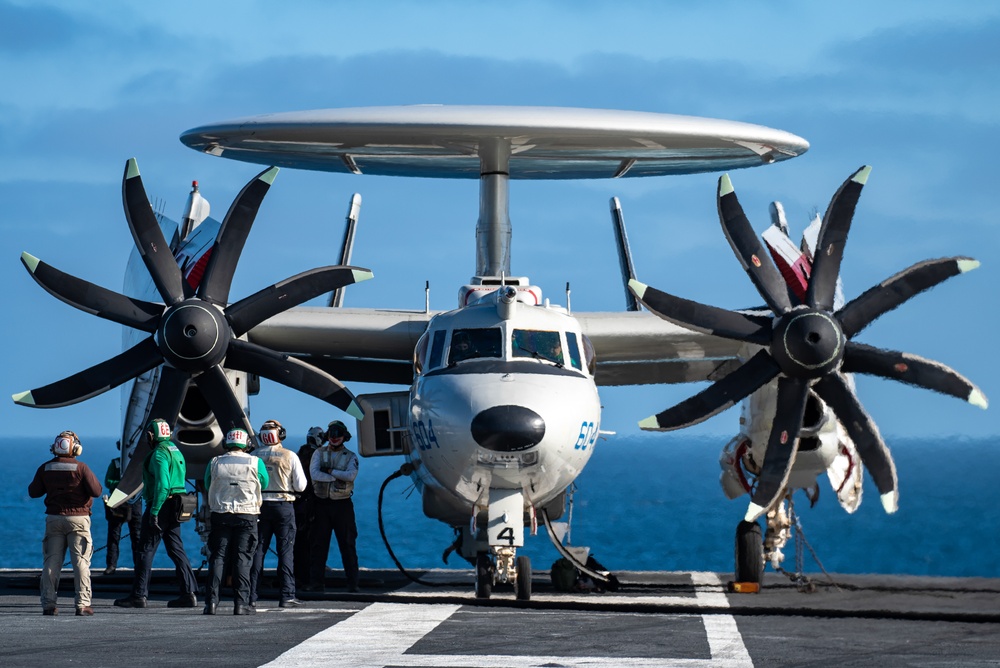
column 654, row 619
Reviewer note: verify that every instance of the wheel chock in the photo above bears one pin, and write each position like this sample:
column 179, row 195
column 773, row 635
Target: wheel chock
column 743, row 587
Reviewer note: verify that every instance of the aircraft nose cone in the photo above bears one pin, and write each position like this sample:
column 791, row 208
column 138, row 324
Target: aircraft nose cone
column 508, row 428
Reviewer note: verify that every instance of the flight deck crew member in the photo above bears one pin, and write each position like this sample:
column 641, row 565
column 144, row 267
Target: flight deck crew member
column 69, row 488
column 315, row 438
column 127, row 513
column 233, row 484
column 163, row 477
column 277, row 514
column 333, row 470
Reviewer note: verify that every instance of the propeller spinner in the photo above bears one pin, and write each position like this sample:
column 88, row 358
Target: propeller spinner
column 194, row 335
column 807, row 346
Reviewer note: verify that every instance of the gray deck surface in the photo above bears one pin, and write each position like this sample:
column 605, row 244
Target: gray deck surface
column 655, row 619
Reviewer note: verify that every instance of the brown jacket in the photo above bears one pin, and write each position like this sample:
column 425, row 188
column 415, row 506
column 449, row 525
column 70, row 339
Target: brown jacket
column 68, row 485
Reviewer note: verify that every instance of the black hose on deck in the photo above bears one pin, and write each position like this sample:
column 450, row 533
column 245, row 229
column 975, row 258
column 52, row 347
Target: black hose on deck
column 405, row 469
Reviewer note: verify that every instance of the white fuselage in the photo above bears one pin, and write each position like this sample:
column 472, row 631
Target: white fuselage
column 511, row 419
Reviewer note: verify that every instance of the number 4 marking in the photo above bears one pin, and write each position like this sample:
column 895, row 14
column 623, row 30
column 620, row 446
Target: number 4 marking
column 507, row 534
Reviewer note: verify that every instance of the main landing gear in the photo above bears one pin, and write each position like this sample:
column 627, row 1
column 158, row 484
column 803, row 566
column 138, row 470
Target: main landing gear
column 501, row 566
column 749, row 553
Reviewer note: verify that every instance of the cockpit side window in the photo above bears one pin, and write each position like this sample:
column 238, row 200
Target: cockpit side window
column 574, row 351
column 537, row 344
column 420, row 354
column 589, row 355
column 469, row 344
column 437, row 349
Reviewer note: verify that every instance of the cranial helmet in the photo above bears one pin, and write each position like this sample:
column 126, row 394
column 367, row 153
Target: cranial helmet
column 316, row 436
column 272, row 433
column 67, row 444
column 158, row 430
column 338, row 428
column 237, row 438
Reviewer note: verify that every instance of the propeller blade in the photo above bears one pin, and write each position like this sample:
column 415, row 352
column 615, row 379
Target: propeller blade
column 170, row 391
column 782, row 445
column 832, row 239
column 95, row 380
column 247, row 313
column 218, row 391
column 875, row 455
column 293, row 373
column 131, row 483
column 703, row 318
column 907, row 368
column 749, row 251
column 717, row 397
column 228, row 247
column 890, row 293
column 92, row 298
column 153, row 248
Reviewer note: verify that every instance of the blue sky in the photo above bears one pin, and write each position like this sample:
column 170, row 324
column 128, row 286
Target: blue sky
column 910, row 88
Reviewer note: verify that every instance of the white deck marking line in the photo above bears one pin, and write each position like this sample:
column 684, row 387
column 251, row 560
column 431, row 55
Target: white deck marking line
column 376, row 636
column 725, row 642
column 382, row 633
column 305, row 611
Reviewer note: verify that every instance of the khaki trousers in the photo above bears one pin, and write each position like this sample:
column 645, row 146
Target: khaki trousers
column 61, row 532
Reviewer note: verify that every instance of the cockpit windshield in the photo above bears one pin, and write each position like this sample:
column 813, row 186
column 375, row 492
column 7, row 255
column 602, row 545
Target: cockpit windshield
column 538, row 344
column 467, row 344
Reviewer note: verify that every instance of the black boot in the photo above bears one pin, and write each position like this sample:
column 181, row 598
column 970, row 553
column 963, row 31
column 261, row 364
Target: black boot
column 130, row 602
column 184, row 601
column 244, row 609
column 209, row 608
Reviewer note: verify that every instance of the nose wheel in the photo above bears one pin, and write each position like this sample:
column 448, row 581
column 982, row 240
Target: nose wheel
column 522, row 582
column 502, row 566
column 485, row 572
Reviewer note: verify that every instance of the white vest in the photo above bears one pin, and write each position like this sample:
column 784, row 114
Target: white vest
column 235, row 484
column 279, row 464
column 334, row 489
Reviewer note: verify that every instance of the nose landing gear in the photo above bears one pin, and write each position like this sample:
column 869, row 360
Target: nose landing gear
column 501, row 566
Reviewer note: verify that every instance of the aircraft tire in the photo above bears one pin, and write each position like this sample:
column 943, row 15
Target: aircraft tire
column 484, row 575
column 749, row 553
column 523, row 584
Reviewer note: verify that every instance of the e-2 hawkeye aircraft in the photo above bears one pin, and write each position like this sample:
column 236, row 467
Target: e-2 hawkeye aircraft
column 502, row 409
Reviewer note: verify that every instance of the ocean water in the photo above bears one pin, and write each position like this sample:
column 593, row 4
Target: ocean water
column 643, row 503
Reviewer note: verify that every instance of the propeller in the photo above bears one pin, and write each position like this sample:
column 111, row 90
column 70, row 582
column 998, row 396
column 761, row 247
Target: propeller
column 807, row 346
column 194, row 334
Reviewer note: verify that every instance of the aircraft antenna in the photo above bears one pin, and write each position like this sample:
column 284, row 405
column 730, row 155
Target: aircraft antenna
column 569, row 309
column 427, row 296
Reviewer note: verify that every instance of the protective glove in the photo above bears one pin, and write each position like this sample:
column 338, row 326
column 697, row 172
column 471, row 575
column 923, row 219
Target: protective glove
column 154, row 523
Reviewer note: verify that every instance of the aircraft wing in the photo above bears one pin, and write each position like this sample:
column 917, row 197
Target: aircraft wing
column 376, row 345
column 638, row 348
column 354, row 344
